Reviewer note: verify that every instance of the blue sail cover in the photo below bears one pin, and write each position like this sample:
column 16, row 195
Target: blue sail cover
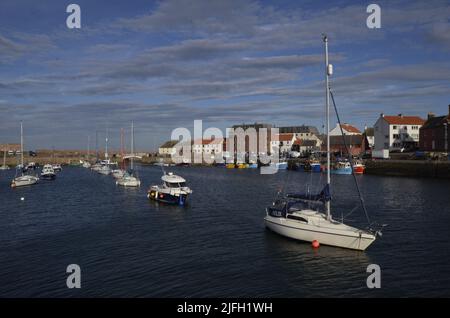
column 323, row 196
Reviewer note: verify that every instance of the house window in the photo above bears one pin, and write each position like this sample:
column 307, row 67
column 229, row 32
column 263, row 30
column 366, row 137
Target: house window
column 386, row 145
column 405, row 127
column 395, row 136
column 394, row 127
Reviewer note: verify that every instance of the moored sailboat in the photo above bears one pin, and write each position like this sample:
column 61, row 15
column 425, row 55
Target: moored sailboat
column 307, row 217
column 129, row 178
column 22, row 179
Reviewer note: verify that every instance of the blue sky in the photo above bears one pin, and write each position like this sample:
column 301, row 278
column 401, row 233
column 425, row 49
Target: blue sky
column 164, row 64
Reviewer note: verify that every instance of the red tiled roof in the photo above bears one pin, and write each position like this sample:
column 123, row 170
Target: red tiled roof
column 285, row 137
column 350, row 128
column 298, row 142
column 404, row 120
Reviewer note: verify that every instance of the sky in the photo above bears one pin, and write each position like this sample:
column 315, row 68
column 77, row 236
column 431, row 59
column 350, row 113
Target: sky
column 165, row 64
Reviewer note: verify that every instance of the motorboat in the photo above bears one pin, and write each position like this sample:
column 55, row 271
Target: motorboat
column 57, row 167
column 359, row 168
column 48, row 173
column 342, row 167
column 173, row 190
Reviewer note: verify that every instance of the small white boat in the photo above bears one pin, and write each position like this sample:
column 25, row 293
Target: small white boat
column 24, row 180
column 104, row 169
column 56, row 167
column 128, row 180
column 86, row 164
column 173, row 190
column 48, row 173
column 118, row 173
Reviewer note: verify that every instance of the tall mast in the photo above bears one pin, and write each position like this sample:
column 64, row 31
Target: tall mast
column 21, row 143
column 327, row 123
column 132, row 144
column 89, row 145
column 121, row 148
column 96, row 145
column 106, row 144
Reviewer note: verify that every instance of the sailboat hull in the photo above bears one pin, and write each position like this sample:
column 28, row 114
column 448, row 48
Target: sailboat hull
column 129, row 182
column 24, row 181
column 344, row 238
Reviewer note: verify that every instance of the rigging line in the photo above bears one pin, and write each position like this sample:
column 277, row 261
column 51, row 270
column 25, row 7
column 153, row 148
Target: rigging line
column 351, row 160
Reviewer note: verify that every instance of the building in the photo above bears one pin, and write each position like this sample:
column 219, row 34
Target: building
column 397, row 132
column 346, row 128
column 11, row 149
column 354, row 143
column 369, row 135
column 305, row 146
column 283, row 142
column 434, row 134
column 304, row 133
column 208, row 146
column 168, row 148
column 257, row 127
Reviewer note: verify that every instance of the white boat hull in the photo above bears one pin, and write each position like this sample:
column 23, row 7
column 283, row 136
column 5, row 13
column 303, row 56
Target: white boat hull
column 129, row 182
column 24, row 181
column 104, row 171
column 339, row 236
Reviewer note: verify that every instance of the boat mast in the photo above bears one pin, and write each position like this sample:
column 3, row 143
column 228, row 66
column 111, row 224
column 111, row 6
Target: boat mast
column 106, row 144
column 327, row 123
column 132, row 144
column 4, row 156
column 21, row 144
column 121, row 147
column 89, row 145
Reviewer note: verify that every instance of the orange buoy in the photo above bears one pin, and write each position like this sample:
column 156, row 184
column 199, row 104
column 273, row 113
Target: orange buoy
column 315, row 244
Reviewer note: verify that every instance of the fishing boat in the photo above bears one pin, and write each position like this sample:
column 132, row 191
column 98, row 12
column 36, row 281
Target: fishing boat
column 22, row 179
column 282, row 165
column 307, row 217
column 359, row 168
column 48, row 173
column 129, row 178
column 342, row 167
column 173, row 190
column 4, row 166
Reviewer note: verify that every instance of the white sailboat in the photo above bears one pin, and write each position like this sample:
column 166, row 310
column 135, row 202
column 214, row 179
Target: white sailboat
column 4, row 166
column 86, row 163
column 129, row 179
column 22, row 179
column 105, row 168
column 120, row 172
column 308, row 217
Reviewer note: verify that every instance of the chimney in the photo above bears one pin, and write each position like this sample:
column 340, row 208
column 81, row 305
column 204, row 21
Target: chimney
column 381, row 115
column 400, row 115
column 430, row 115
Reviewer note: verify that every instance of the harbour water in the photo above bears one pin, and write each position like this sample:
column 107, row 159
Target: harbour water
column 128, row 246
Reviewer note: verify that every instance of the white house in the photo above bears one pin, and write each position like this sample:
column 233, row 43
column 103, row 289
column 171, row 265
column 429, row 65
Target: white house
column 346, row 128
column 208, row 146
column 283, row 142
column 168, row 148
column 396, row 132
